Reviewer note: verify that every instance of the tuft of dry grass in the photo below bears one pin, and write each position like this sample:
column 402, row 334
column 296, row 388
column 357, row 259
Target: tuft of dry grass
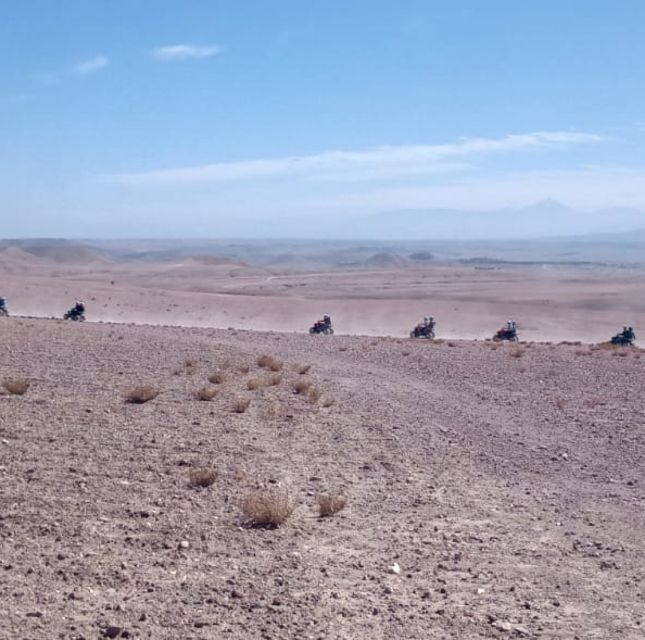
column 313, row 395
column 328, row 402
column 241, row 405
column 301, row 387
column 141, row 394
column 268, row 508
column 304, row 368
column 517, row 352
column 201, row 477
column 253, row 384
column 270, row 363
column 217, row 378
column 245, row 368
column 274, row 380
column 17, row 386
column 205, row 394
column 330, row 504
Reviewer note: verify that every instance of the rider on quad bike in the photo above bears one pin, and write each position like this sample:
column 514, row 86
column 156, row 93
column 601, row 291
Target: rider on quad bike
column 424, row 329
column 3, row 307
column 77, row 312
column 626, row 337
column 323, row 326
column 509, row 332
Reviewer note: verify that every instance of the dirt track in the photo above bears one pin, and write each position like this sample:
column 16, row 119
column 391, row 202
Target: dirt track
column 506, row 483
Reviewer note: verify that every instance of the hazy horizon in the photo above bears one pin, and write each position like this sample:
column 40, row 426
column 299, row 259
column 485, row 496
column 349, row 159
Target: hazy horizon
column 162, row 119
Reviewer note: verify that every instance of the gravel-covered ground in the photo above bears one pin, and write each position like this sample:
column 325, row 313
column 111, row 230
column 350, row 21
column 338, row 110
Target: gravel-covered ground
column 492, row 491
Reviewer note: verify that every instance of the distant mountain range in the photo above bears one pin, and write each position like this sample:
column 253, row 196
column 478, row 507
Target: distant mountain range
column 540, row 220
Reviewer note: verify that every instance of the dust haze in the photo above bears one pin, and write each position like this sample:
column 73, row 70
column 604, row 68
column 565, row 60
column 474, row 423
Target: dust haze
column 556, row 289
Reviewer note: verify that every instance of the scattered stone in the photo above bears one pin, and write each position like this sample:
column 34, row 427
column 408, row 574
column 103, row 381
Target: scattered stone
column 395, row 568
column 184, row 544
column 112, row 631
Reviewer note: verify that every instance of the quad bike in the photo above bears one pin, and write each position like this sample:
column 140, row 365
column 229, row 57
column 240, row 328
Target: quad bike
column 423, row 331
column 322, row 326
column 75, row 314
column 625, row 338
column 506, row 334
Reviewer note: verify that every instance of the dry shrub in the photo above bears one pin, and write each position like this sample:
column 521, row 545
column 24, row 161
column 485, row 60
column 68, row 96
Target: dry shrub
column 582, row 352
column 253, row 384
column 201, row 477
column 268, row 508
column 561, row 403
column 205, row 394
column 622, row 354
column 17, row 386
column 441, row 341
column 330, row 504
column 274, row 380
column 302, row 369
column 217, row 378
column 328, row 402
column 452, row 344
column 270, row 363
column 245, row 368
column 313, row 395
column 189, row 363
column 517, row 353
column 141, row 394
column 301, row 387
column 241, row 405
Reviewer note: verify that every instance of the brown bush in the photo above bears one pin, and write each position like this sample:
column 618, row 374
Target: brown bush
column 141, row 394
column 17, row 386
column 201, row 477
column 313, row 395
column 268, row 508
column 302, row 387
column 241, row 405
column 270, row 363
column 302, row 369
column 205, row 394
column 253, row 384
column 330, row 504
column 217, row 378
column 274, row 380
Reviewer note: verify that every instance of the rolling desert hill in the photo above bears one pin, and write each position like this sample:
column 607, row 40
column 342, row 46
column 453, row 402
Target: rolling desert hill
column 491, row 492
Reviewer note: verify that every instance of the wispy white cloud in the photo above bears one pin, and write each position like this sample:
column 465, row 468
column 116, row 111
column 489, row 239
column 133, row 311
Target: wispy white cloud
column 92, row 65
column 185, row 52
column 386, row 162
column 81, row 69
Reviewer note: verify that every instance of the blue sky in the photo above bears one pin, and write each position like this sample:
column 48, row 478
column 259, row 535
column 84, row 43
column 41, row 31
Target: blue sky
column 158, row 117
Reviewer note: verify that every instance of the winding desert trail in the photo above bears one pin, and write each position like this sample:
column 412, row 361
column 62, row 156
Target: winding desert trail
column 492, row 492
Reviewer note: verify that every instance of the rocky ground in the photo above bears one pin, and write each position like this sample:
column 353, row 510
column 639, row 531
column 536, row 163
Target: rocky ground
column 492, row 491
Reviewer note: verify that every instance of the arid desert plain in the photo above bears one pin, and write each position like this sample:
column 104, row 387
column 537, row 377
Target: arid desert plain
column 488, row 490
